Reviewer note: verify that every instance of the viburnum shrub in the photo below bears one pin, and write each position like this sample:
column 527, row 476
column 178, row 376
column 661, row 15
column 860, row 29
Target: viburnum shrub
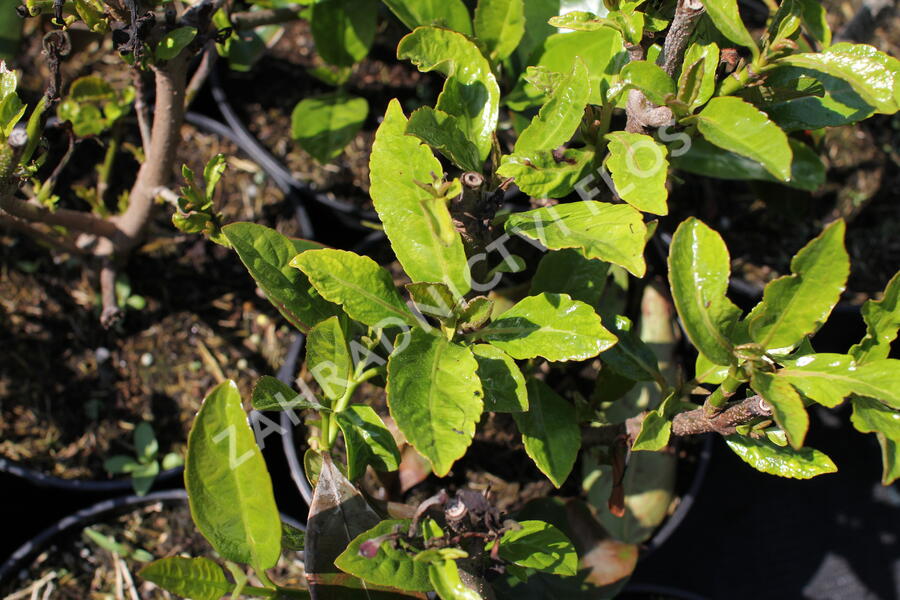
column 451, row 345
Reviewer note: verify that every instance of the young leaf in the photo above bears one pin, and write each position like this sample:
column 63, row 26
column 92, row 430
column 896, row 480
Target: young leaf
column 871, row 416
column 452, row 14
column 143, row 476
column 550, row 325
column 435, row 396
column 697, row 82
column 271, row 394
column 570, row 271
column 364, row 289
column 794, row 306
column 727, row 19
column 559, row 118
column 229, row 488
column 197, row 578
column 829, row 378
column 145, row 443
column 444, row 578
column 174, row 42
column 765, row 456
column 343, row 30
column 630, row 357
column 499, row 25
column 639, row 170
column 470, row 92
column 476, row 312
column 267, row 255
column 368, row 441
column 882, row 319
column 547, row 174
column 391, row 565
column 397, row 163
column 540, row 546
column 549, row 431
column 655, row 432
column 501, row 380
column 445, row 134
column 614, row 233
column 699, row 267
column 434, row 299
column 813, row 16
column 740, row 127
column 325, row 124
column 120, row 464
column 328, row 358
column 649, row 78
column 788, row 408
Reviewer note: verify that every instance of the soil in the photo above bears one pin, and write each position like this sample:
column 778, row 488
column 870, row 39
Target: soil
column 76, row 567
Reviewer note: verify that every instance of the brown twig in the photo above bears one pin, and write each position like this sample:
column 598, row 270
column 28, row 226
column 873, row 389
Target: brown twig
column 687, row 13
column 258, row 18
column 110, row 313
column 141, row 110
column 198, row 79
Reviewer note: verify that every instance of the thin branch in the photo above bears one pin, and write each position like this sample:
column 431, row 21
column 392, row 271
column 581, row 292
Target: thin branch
column 111, row 313
column 257, row 18
column 34, row 231
column 687, row 13
column 72, row 219
column 198, row 79
column 140, row 106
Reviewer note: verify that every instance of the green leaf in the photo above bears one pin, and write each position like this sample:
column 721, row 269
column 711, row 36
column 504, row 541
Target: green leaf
column 328, row 358
column 172, row 460
column 871, row 416
column 549, row 325
column 143, row 476
column 119, row 464
column 445, row 134
column 699, row 268
column 882, row 319
column 470, row 92
column 501, row 380
column 631, row 357
column 807, row 99
column 814, row 18
column 650, row 79
column 433, row 299
column 654, row 434
column 540, row 546
column 579, row 20
column 267, row 255
column 603, row 53
column 435, row 396
column 794, row 306
column 807, row 170
column 614, row 233
column 440, row 13
column 324, row 125
column 197, row 578
column 550, row 432
column 145, row 443
column 271, row 394
column 767, row 457
column 547, row 174
column 829, row 378
column 569, row 271
column 476, row 312
column 228, row 486
column 364, row 289
column 873, row 74
column 343, row 30
column 560, row 116
column 174, row 42
column 212, row 174
column 397, row 163
column 392, row 565
column 444, row 578
column 697, row 82
column 727, row 19
column 499, row 26
column 292, row 538
column 368, row 441
column 739, row 127
column 787, row 407
column 639, row 170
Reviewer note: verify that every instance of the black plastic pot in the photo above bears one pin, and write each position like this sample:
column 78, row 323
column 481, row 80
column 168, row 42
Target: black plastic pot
column 77, row 485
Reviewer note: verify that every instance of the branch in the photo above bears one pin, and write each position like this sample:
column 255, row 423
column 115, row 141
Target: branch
column 257, row 18
column 687, row 13
column 111, row 313
column 50, row 237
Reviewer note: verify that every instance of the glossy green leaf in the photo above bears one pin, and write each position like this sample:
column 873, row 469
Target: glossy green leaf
column 814, row 19
column 829, row 378
column 767, row 457
column 727, row 19
column 697, row 82
column 546, row 174
column 435, row 396
column 569, row 271
column 433, row 299
column 873, row 74
column 639, row 169
column 703, row 158
column 343, row 30
column 549, row 325
column 391, row 566
column 787, row 406
column 445, row 134
column 470, row 92
column 614, row 233
column 397, row 163
column 650, row 79
column 197, row 578
column 444, row 578
column 364, row 289
column 452, row 14
column 267, row 255
column 699, row 268
column 740, row 127
column 559, row 118
column 501, row 380
column 476, row 312
column 871, row 416
column 174, row 42
column 324, row 125
column 654, row 434
column 630, row 357
column 882, row 319
column 228, row 486
column 271, row 394
column 499, row 25
column 540, row 546
column 794, row 306
column 368, row 441
column 328, row 357
column 549, row 431
column 579, row 20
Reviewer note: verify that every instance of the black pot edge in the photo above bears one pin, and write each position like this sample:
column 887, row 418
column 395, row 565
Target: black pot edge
column 77, row 485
